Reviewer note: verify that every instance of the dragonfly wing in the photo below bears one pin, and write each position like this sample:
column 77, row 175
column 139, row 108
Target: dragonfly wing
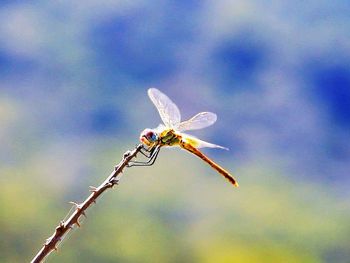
column 197, row 143
column 167, row 109
column 199, row 121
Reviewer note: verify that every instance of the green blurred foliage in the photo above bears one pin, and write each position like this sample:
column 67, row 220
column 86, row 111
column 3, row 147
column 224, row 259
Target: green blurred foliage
column 179, row 210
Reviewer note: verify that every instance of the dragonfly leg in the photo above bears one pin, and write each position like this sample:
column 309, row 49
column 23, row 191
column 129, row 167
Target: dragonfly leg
column 147, row 152
column 151, row 159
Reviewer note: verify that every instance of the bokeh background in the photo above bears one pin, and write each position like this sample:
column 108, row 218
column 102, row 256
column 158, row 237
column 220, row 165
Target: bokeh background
column 73, row 98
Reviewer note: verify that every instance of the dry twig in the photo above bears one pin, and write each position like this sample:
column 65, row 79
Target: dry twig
column 65, row 226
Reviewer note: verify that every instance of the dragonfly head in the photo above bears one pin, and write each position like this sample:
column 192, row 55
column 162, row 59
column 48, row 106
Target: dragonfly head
column 149, row 137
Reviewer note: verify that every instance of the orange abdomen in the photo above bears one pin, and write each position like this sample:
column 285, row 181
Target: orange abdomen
column 217, row 167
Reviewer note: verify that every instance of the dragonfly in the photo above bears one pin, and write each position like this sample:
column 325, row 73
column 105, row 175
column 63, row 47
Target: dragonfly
column 170, row 133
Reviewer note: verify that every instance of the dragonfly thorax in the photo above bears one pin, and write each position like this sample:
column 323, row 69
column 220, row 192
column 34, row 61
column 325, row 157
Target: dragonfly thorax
column 169, row 137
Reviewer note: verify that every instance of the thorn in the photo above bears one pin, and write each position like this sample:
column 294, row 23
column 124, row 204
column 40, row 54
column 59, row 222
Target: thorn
column 47, row 241
column 93, row 189
column 78, row 206
column 83, row 213
column 114, row 181
column 77, row 223
column 60, row 227
column 126, row 154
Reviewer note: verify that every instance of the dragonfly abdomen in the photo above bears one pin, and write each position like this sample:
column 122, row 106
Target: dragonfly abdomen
column 217, row 167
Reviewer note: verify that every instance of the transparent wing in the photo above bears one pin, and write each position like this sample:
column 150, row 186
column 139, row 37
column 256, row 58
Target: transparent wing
column 199, row 121
column 197, row 143
column 167, row 109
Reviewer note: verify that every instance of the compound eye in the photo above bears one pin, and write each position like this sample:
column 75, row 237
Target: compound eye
column 151, row 136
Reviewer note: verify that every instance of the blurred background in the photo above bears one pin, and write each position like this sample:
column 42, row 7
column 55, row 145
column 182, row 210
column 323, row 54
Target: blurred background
column 73, row 98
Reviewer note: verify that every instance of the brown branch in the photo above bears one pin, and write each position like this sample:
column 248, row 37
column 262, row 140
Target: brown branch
column 65, row 226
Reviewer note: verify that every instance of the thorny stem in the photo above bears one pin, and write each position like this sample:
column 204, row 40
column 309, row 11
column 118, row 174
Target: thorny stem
column 65, row 226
